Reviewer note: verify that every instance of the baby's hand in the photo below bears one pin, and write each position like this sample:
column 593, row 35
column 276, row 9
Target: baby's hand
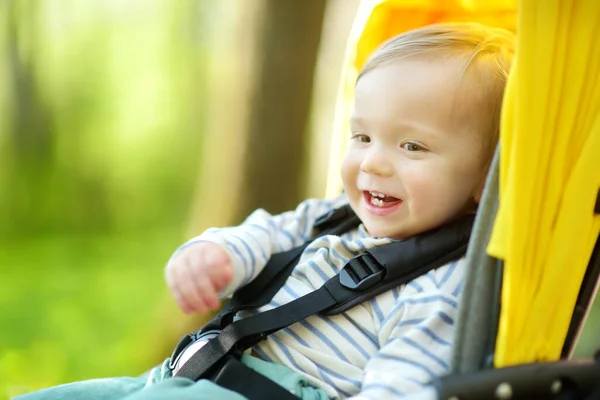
column 197, row 274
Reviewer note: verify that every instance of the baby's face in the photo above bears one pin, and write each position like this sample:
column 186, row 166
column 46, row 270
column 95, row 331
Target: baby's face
column 417, row 156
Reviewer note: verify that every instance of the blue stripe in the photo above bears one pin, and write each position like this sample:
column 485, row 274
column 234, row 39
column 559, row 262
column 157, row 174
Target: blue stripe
column 433, row 336
column 458, row 288
column 423, row 300
column 426, row 352
column 361, row 246
column 431, row 276
column 415, row 381
column 409, row 322
column 189, row 243
column 237, row 251
column 262, row 252
column 300, row 274
column 293, row 295
column 324, row 255
column 262, row 354
column 416, row 286
column 310, row 250
column 338, row 255
column 290, row 292
column 445, row 317
column 324, row 339
column 260, row 228
column 305, row 225
column 340, row 377
column 368, row 334
column 346, row 336
column 288, row 235
column 295, row 336
column 377, row 310
column 431, row 299
column 397, row 308
column 345, row 246
column 272, row 224
column 320, row 367
column 395, row 293
column 250, row 253
column 311, row 328
column 449, row 272
column 412, row 363
column 318, row 270
column 382, row 386
column 274, row 227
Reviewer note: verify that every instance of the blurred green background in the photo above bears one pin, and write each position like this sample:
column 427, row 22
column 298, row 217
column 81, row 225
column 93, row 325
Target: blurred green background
column 126, row 126
column 99, row 143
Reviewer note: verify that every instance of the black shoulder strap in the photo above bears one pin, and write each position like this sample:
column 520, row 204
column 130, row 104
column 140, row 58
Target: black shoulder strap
column 361, row 278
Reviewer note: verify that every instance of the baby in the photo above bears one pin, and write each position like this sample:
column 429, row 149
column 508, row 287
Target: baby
column 424, row 126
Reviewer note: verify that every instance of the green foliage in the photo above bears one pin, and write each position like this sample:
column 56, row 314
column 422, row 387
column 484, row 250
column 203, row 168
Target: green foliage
column 100, row 128
column 82, row 307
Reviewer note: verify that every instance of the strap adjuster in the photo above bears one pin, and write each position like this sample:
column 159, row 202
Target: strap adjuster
column 361, row 272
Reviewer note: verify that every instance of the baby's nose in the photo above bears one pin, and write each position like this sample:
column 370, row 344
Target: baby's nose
column 376, row 164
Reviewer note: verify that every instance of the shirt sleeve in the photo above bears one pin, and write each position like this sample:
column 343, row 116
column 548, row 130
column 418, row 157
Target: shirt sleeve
column 251, row 244
column 415, row 337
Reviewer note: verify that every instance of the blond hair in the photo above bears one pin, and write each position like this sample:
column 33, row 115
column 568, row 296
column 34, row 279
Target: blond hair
column 490, row 50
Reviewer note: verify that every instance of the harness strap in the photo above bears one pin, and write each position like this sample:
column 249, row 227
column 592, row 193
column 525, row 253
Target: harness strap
column 244, row 380
column 409, row 259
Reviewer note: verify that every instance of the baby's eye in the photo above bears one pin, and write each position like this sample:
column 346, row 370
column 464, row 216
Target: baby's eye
column 412, row 147
column 361, row 137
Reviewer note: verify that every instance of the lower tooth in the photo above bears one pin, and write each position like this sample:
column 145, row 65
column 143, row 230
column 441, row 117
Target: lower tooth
column 376, row 202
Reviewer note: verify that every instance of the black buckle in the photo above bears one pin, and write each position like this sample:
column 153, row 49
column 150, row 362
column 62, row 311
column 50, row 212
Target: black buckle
column 183, row 343
column 361, row 272
column 187, row 340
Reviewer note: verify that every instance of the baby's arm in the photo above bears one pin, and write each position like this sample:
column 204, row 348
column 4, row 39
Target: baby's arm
column 219, row 261
column 416, row 337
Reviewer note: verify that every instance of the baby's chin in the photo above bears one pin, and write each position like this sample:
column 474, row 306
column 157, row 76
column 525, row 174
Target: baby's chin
column 381, row 232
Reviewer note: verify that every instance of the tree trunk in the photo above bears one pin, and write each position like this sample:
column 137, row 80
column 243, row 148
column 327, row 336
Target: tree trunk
column 277, row 134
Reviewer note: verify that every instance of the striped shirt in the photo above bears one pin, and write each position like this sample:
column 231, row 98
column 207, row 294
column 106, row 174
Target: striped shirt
column 384, row 348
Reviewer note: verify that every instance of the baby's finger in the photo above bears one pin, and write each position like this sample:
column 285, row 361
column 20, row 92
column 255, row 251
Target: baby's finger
column 208, row 294
column 183, row 305
column 203, row 287
column 214, row 254
column 222, row 276
column 188, row 289
column 175, row 292
column 221, row 271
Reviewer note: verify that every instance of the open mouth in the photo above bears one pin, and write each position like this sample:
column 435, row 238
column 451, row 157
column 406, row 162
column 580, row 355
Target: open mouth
column 380, row 200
